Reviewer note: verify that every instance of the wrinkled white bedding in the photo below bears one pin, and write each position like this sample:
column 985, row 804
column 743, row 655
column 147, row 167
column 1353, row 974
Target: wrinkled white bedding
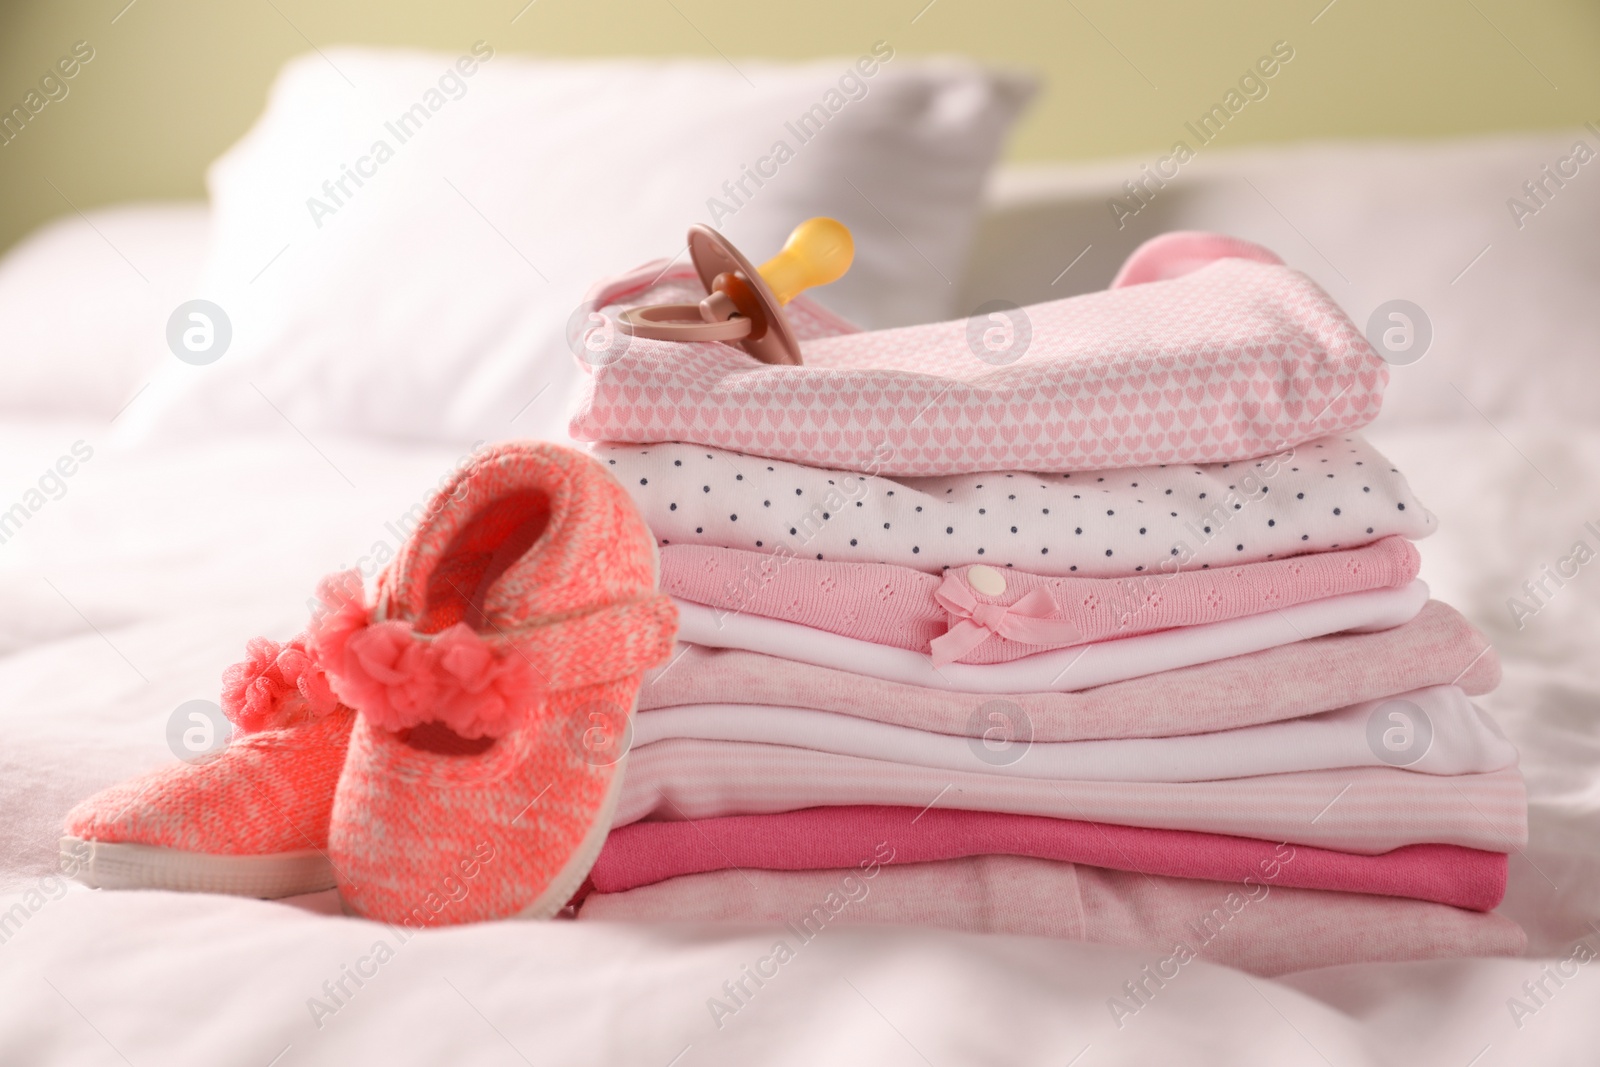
column 129, row 593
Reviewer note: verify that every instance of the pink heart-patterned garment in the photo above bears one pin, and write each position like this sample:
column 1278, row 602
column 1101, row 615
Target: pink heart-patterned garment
column 1237, row 358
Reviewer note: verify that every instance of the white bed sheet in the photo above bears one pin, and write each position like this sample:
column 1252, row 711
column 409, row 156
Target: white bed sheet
column 153, row 978
column 130, row 593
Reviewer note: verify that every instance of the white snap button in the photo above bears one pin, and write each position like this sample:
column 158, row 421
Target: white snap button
column 986, row 580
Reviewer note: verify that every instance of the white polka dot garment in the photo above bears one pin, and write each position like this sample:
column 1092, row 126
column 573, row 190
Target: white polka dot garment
column 1336, row 492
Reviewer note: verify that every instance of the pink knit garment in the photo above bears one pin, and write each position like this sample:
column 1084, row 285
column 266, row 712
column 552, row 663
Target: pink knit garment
column 1263, row 928
column 1438, row 647
column 950, row 617
column 1237, row 359
column 822, row 838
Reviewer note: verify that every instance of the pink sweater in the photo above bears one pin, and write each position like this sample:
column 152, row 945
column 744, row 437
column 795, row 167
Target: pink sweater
column 820, row 838
column 1262, row 927
column 983, row 615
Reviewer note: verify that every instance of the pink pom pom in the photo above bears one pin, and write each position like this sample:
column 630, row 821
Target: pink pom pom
column 400, row 679
column 276, row 686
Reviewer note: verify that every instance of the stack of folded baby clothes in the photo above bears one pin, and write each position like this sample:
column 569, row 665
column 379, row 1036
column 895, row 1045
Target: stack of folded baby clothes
column 1119, row 641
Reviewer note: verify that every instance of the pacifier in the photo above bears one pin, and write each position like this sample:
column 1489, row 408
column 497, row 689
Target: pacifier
column 744, row 305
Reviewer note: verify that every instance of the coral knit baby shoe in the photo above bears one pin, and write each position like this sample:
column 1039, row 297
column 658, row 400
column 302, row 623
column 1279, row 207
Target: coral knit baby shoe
column 494, row 679
column 251, row 821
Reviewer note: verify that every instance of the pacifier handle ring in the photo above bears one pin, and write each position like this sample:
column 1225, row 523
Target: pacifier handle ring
column 681, row 322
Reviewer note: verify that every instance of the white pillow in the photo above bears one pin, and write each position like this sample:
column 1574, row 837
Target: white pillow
column 1514, row 332
column 84, row 301
column 429, row 296
column 1432, row 222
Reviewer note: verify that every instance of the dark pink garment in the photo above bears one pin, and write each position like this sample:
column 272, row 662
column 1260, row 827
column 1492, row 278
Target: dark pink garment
column 830, row 838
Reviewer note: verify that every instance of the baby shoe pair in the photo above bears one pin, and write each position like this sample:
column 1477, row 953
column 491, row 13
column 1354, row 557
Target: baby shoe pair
column 451, row 752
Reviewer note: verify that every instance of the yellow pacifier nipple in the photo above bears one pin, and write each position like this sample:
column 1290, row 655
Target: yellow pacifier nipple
column 819, row 251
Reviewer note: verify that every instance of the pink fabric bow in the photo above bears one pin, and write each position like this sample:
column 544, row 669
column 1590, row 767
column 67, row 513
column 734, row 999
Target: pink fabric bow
column 399, row 678
column 276, row 686
column 1026, row 622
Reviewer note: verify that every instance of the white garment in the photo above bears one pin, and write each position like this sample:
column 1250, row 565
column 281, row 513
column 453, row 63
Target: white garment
column 1366, row 810
column 1437, row 731
column 1337, row 492
column 1064, row 670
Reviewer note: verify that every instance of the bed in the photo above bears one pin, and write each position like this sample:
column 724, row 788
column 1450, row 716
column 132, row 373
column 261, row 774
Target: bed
column 143, row 571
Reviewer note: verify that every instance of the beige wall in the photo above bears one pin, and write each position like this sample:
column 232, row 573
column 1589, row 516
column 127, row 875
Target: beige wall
column 173, row 82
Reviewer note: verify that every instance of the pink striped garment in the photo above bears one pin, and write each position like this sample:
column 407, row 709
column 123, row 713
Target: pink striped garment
column 956, row 620
column 1366, row 810
column 1438, row 647
column 1261, row 927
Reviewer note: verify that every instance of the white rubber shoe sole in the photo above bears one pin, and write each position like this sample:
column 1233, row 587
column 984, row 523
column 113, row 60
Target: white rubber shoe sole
column 116, row 865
